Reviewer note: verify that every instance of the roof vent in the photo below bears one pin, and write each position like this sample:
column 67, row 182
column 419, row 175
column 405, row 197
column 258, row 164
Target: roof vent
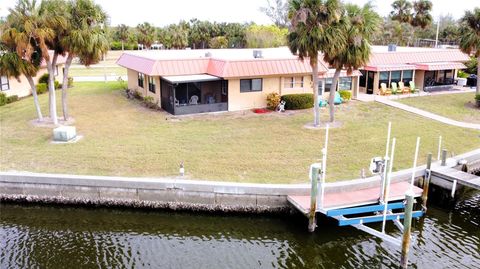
column 257, row 54
column 392, row 47
column 208, row 54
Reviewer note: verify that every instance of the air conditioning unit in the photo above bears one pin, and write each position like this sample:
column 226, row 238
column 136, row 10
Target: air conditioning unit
column 257, row 54
column 64, row 133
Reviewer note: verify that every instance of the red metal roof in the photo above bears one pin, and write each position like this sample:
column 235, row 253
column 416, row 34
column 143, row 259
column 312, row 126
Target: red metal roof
column 424, row 56
column 389, row 67
column 440, row 66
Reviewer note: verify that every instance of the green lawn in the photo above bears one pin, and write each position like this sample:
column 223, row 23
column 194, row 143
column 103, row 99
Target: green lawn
column 97, row 71
column 460, row 106
column 121, row 137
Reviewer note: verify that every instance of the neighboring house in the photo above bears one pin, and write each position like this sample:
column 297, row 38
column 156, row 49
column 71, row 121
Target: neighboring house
column 20, row 87
column 430, row 69
column 195, row 81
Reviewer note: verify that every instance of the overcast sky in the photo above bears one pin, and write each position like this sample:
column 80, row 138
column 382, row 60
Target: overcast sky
column 164, row 12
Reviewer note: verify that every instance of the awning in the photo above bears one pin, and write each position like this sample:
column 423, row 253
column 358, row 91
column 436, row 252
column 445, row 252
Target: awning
column 389, row 67
column 440, row 66
column 191, row 78
column 343, row 73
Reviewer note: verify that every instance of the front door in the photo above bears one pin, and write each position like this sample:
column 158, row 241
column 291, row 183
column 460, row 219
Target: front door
column 371, row 79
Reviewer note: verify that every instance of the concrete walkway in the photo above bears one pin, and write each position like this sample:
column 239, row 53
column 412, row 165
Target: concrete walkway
column 426, row 114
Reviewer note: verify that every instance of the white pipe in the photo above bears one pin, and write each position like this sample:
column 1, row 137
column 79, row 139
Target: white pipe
column 385, row 163
column 387, row 186
column 415, row 163
column 324, row 165
column 439, row 147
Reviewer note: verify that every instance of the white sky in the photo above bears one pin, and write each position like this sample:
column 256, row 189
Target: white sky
column 163, row 12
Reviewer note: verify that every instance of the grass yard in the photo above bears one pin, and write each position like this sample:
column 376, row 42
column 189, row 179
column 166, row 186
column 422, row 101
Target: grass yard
column 459, row 106
column 96, row 71
column 121, row 137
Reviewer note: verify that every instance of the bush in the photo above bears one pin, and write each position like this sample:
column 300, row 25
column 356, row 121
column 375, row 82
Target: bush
column 298, row 101
column 346, row 95
column 42, row 88
column 57, row 84
column 150, row 102
column 44, row 79
column 462, row 74
column 12, row 98
column 137, row 95
column 273, row 100
column 477, row 97
column 3, row 99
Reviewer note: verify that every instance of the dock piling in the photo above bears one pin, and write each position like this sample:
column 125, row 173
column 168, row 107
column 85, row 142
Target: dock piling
column 444, row 157
column 407, row 229
column 314, row 175
column 426, row 182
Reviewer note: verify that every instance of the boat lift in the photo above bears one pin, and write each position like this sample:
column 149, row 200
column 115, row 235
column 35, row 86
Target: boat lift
column 388, row 202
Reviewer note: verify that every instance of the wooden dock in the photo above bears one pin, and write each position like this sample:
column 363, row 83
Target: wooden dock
column 353, row 198
column 456, row 177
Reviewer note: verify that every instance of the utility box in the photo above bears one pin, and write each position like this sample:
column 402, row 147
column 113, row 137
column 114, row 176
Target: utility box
column 64, row 133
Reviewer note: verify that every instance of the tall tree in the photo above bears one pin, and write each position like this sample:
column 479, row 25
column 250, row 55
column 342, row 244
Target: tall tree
column 402, row 11
column 359, row 25
column 421, row 16
column 12, row 65
column 277, row 11
column 122, row 33
column 470, row 37
column 84, row 37
column 145, row 34
column 311, row 32
column 265, row 36
column 178, row 36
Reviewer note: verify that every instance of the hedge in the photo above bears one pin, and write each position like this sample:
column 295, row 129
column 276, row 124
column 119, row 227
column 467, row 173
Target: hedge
column 346, row 95
column 298, row 101
column 42, row 88
column 12, row 98
column 3, row 99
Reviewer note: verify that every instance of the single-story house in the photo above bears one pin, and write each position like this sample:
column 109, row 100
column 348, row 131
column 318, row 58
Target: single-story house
column 429, row 69
column 20, row 87
column 195, row 81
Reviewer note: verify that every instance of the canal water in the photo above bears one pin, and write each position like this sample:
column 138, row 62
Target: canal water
column 34, row 236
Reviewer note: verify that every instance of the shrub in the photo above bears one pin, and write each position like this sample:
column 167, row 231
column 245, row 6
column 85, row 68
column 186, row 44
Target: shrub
column 42, row 88
column 137, row 95
column 346, row 95
column 298, row 101
column 462, row 74
column 44, row 79
column 3, row 99
column 70, row 82
column 12, row 98
column 149, row 102
column 273, row 100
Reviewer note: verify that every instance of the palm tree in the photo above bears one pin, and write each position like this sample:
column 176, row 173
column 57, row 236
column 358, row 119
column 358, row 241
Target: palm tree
column 178, row 36
column 422, row 15
column 123, row 32
column 402, row 11
column 12, row 65
column 84, row 38
column 311, row 33
column 360, row 24
column 145, row 34
column 470, row 37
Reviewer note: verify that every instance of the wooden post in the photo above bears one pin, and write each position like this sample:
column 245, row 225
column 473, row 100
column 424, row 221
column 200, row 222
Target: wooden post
column 407, row 229
column 426, row 182
column 314, row 172
column 444, row 157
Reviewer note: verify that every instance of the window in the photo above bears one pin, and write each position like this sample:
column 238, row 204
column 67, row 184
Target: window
column 328, row 84
column 293, row 82
column 383, row 78
column 407, row 76
column 141, row 78
column 56, row 71
column 320, row 87
column 363, row 78
column 395, row 76
column 4, row 84
column 224, row 87
column 251, row 85
column 151, row 84
column 345, row 84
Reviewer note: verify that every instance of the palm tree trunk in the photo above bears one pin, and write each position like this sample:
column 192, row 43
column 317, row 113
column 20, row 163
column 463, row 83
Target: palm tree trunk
column 51, row 89
column 316, row 108
column 65, row 85
column 122, row 46
column 478, row 75
column 35, row 97
column 333, row 90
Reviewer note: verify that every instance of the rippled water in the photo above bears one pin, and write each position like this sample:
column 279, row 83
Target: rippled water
column 68, row 237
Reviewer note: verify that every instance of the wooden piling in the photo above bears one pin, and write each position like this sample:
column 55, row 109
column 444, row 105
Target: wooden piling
column 312, row 222
column 444, row 157
column 407, row 229
column 426, row 182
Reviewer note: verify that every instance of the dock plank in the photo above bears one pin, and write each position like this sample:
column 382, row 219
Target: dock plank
column 354, row 198
column 462, row 178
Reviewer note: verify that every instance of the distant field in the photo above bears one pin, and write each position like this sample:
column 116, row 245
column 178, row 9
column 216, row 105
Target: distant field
column 458, row 106
column 97, row 71
column 122, row 137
